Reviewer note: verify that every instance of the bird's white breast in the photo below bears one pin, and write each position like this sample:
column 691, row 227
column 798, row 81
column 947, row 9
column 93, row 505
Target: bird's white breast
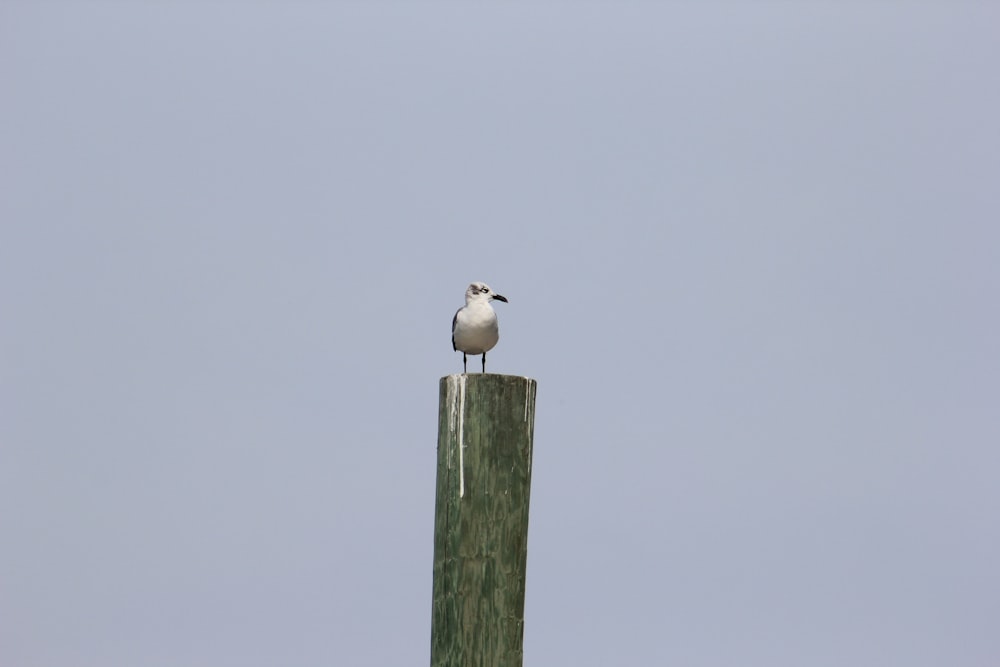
column 476, row 329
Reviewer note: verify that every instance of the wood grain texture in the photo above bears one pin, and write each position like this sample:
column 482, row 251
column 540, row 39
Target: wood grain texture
column 485, row 429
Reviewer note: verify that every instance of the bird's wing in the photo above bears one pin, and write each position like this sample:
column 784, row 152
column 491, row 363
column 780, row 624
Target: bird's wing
column 454, row 321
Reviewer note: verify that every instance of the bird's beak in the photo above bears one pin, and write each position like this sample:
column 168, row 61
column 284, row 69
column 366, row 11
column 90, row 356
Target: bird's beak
column 497, row 297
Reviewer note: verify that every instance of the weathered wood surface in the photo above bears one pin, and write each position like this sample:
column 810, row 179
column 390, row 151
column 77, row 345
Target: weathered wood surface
column 485, row 429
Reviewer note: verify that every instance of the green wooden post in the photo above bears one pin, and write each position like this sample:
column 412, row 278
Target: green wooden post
column 485, row 428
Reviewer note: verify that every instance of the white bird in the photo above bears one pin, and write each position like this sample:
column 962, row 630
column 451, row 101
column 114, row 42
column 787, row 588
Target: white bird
column 474, row 329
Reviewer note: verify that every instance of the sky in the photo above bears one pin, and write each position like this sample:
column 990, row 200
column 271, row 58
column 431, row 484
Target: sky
column 751, row 252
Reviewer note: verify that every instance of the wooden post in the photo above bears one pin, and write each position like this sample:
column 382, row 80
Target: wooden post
column 485, row 427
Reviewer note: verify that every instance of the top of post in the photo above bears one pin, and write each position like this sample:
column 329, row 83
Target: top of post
column 501, row 377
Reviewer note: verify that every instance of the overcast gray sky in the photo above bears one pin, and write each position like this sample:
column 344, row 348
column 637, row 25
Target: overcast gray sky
column 751, row 252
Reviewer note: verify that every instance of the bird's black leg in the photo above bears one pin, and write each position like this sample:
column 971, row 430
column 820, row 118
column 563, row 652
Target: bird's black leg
column 465, row 363
column 484, row 362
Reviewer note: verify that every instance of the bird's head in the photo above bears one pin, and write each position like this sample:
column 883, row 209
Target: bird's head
column 482, row 292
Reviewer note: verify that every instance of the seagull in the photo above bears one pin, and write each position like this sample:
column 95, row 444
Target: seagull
column 474, row 329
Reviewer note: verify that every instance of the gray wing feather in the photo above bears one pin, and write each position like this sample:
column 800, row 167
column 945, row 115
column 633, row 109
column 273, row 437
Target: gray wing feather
column 454, row 321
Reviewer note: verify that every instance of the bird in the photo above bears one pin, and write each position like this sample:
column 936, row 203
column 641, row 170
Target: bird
column 474, row 329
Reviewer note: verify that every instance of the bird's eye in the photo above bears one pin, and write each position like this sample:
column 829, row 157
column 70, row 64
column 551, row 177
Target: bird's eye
column 485, row 290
